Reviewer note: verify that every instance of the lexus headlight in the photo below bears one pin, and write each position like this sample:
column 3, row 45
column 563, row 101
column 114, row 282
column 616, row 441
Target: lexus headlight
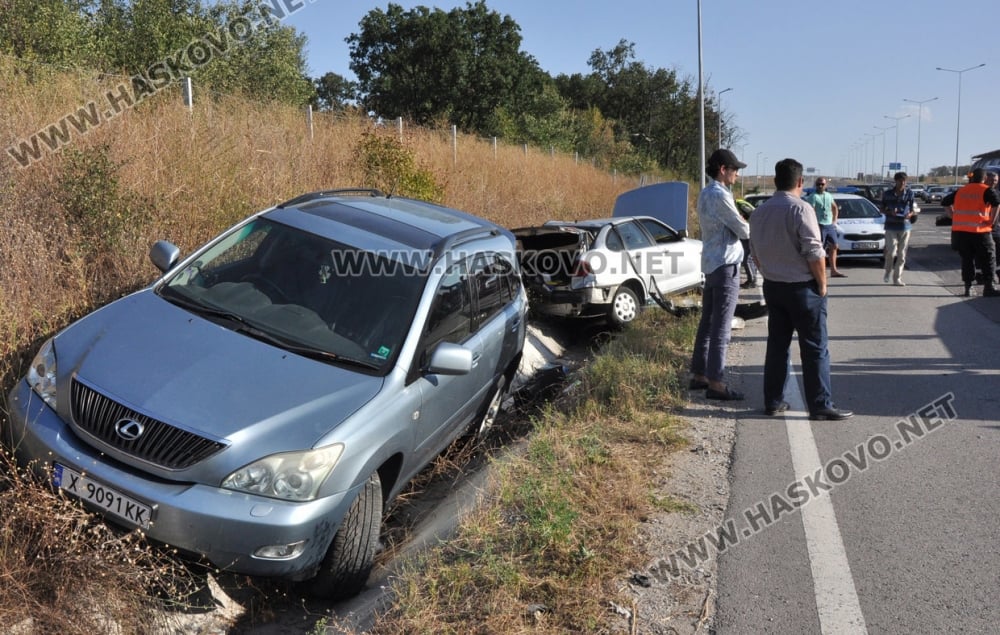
column 42, row 374
column 293, row 476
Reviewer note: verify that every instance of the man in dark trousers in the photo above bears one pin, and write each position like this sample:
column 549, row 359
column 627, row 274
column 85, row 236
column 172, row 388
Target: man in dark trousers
column 722, row 227
column 992, row 178
column 973, row 213
column 786, row 243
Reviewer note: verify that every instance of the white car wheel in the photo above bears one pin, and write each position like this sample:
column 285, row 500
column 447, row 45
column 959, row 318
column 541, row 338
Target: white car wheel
column 624, row 306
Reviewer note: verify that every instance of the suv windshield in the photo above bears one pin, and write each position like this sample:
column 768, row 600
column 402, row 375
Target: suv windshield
column 303, row 292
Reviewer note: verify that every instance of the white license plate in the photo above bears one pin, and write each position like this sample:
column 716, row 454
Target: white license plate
column 864, row 245
column 110, row 500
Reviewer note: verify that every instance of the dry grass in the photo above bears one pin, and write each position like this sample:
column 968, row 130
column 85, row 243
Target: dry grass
column 186, row 176
column 550, row 548
column 64, row 571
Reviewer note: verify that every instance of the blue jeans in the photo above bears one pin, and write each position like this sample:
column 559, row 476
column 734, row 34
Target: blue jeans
column 796, row 307
column 718, row 304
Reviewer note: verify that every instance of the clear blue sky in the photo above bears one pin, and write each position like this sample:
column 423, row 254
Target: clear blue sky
column 809, row 79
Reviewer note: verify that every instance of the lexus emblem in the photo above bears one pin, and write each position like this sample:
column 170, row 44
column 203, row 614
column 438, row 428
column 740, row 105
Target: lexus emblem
column 129, row 429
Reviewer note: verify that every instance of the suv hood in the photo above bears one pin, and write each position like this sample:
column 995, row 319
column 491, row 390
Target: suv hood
column 189, row 372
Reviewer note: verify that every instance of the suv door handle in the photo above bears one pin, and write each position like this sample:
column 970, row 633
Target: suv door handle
column 475, row 358
column 515, row 324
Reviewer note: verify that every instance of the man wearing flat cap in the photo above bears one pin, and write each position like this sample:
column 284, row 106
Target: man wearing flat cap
column 722, row 227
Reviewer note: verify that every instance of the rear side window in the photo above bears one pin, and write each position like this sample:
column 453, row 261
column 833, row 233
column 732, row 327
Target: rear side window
column 632, row 236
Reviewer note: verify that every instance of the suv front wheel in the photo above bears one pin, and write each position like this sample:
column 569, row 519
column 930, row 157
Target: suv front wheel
column 349, row 561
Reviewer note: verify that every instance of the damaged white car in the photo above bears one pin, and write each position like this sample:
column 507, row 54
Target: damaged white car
column 612, row 266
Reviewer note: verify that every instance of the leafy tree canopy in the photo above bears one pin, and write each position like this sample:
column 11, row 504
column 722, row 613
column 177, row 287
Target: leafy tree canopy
column 133, row 36
column 459, row 66
column 334, row 92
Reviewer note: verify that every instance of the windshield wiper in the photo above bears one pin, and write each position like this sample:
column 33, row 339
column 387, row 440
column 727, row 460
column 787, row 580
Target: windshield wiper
column 241, row 325
column 306, row 351
column 171, row 295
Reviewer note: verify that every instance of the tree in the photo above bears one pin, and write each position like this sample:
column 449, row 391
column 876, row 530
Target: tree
column 132, row 35
column 333, row 91
column 428, row 65
column 650, row 108
column 50, row 31
column 269, row 65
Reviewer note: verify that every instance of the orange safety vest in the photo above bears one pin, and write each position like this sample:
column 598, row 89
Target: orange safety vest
column 970, row 213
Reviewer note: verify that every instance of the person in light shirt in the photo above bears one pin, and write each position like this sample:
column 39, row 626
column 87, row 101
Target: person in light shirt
column 785, row 240
column 722, row 227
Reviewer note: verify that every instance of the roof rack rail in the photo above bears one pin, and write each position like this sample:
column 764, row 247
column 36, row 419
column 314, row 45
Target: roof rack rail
column 346, row 191
column 467, row 235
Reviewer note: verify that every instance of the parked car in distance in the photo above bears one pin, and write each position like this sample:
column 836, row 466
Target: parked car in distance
column 608, row 266
column 756, row 199
column 934, row 194
column 917, row 189
column 871, row 191
column 861, row 227
column 259, row 404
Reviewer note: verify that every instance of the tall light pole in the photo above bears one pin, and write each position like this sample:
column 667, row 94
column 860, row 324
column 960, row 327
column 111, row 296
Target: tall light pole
column 958, row 118
column 757, row 170
column 871, row 136
column 719, row 99
column 883, row 129
column 920, row 117
column 895, row 158
column 742, row 159
column 701, row 103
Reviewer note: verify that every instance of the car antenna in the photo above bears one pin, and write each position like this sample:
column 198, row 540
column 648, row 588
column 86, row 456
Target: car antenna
column 393, row 189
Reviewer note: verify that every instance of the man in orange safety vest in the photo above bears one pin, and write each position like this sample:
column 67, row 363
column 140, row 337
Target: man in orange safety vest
column 973, row 214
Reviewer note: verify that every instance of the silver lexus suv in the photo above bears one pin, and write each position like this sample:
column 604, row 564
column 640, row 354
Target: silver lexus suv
column 259, row 404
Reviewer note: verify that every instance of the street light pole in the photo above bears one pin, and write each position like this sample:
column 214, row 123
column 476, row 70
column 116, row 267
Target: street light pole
column 872, row 136
column 920, row 117
column 701, row 103
column 895, row 158
column 742, row 159
column 719, row 99
column 757, row 170
column 883, row 129
column 958, row 118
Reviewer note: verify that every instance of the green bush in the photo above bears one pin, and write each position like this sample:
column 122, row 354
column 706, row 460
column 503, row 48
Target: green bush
column 101, row 214
column 389, row 166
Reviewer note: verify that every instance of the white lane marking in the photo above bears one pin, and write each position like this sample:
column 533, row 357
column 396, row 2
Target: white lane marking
column 836, row 597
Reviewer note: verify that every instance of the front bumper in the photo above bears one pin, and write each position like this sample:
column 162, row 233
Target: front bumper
column 222, row 526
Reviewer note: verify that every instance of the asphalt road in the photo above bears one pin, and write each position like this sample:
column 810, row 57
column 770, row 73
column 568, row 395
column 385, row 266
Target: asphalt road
column 887, row 522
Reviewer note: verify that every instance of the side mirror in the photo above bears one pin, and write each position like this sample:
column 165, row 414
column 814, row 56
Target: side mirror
column 164, row 255
column 450, row 359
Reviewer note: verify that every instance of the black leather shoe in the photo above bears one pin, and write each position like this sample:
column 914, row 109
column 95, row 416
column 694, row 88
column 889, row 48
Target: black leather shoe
column 830, row 414
column 990, row 292
column 781, row 407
